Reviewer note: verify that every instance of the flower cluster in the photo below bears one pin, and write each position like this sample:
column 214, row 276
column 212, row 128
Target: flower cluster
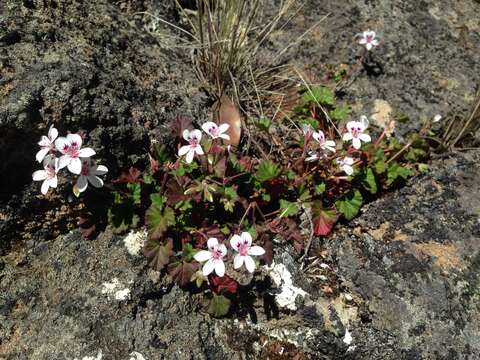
column 213, row 257
column 72, row 156
column 194, row 137
column 354, row 132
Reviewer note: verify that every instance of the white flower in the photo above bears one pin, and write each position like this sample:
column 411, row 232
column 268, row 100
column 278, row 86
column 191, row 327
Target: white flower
column 312, row 156
column 368, row 38
column 89, row 173
column 243, row 245
column 324, row 144
column 213, row 257
column 437, row 118
column 355, row 132
column 346, row 165
column 48, row 174
column 71, row 148
column 47, row 144
column 193, row 137
column 216, row 131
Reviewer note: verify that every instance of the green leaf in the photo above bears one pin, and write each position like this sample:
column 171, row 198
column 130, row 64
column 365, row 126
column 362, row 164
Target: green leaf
column 252, row 230
column 414, row 154
column 397, row 173
column 158, row 253
column 158, row 220
column 379, row 160
column 423, row 168
column 267, row 170
column 320, row 188
column 136, row 192
column 263, row 123
column 350, row 204
column 188, row 252
column 122, row 214
column 288, row 208
column 314, row 123
column 219, row 306
column 158, row 200
column 290, row 175
column 369, row 181
column 340, row 113
column 320, row 94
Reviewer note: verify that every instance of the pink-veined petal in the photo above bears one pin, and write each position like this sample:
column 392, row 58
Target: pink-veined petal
column 223, row 127
column 95, row 181
column 238, row 261
column 75, row 166
column 223, row 249
column 256, row 251
column 45, row 186
column 198, row 149
column 365, row 137
column 246, row 237
column 183, row 150
column 319, row 136
column 250, row 264
column 41, row 154
column 219, row 267
column 52, row 133
column 62, row 144
column 82, row 183
column 197, row 134
column 208, row 267
column 356, row 143
column 235, row 242
column 209, row 125
column 224, row 136
column 190, row 155
column 44, row 141
column 202, row 255
column 86, row 152
column 75, row 139
column 100, row 170
column 186, row 134
column 39, row 175
column 212, row 243
column 351, row 125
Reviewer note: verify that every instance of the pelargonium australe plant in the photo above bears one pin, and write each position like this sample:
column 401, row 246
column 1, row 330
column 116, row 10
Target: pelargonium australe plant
column 71, row 156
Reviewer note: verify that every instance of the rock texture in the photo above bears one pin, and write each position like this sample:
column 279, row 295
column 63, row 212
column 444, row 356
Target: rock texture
column 399, row 282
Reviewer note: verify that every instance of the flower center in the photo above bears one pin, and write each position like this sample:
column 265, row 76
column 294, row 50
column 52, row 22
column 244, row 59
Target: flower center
column 193, row 142
column 85, row 168
column 243, row 248
column 217, row 254
column 369, row 38
column 214, row 131
column 356, row 132
column 50, row 171
column 72, row 150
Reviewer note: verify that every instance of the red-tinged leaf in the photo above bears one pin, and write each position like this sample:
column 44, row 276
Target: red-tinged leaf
column 154, row 165
column 324, row 219
column 158, row 253
column 220, row 167
column 216, row 150
column 86, row 226
column 246, row 162
column 182, row 272
column 223, row 284
column 132, row 176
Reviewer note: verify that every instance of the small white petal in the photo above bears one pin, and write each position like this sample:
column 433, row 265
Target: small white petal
column 52, row 133
column 369, row 46
column 223, row 249
column 249, row 264
column 75, row 166
column 86, row 152
column 235, row 242
column 219, row 268
column 64, row 161
column 196, row 134
column 186, row 134
column 247, row 237
column 199, row 150
column 100, row 170
column 62, row 144
column 209, row 125
column 356, row 143
column 39, row 175
column 41, row 154
column 238, row 261
column 190, row 154
column 348, row 169
column 223, row 127
column 183, row 150
column 95, row 181
column 256, row 251
column 45, row 186
column 75, row 138
column 82, row 183
column 202, row 255
column 365, row 137
column 212, row 243
column 53, row 182
column 224, row 136
column 347, row 137
column 208, row 267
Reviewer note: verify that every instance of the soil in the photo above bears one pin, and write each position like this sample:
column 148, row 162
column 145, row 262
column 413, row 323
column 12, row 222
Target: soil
column 402, row 280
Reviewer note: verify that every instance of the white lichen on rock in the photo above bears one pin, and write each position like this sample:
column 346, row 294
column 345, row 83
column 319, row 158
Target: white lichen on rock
column 135, row 240
column 113, row 290
column 136, row 356
column 98, row 357
column 283, row 280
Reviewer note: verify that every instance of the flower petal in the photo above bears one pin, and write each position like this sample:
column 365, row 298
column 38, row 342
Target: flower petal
column 186, row 134
column 223, row 249
column 41, row 154
column 223, row 128
column 190, row 154
column 347, row 136
column 183, row 150
column 219, row 267
column 45, row 186
column 53, row 182
column 364, row 121
column 256, row 251
column 249, row 264
column 365, row 137
column 199, row 150
column 39, row 175
column 197, row 134
column 348, row 169
column 75, row 166
column 86, row 152
column 246, row 237
column 238, row 261
column 208, row 267
column 52, row 133
column 100, row 170
column 369, row 46
column 64, row 161
column 75, row 139
column 95, row 181
column 202, row 255
column 212, row 243
column 356, row 143
column 235, row 242
column 82, row 183
column 62, row 144
column 224, row 136
column 209, row 125
column 44, row 141
column 319, row 136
